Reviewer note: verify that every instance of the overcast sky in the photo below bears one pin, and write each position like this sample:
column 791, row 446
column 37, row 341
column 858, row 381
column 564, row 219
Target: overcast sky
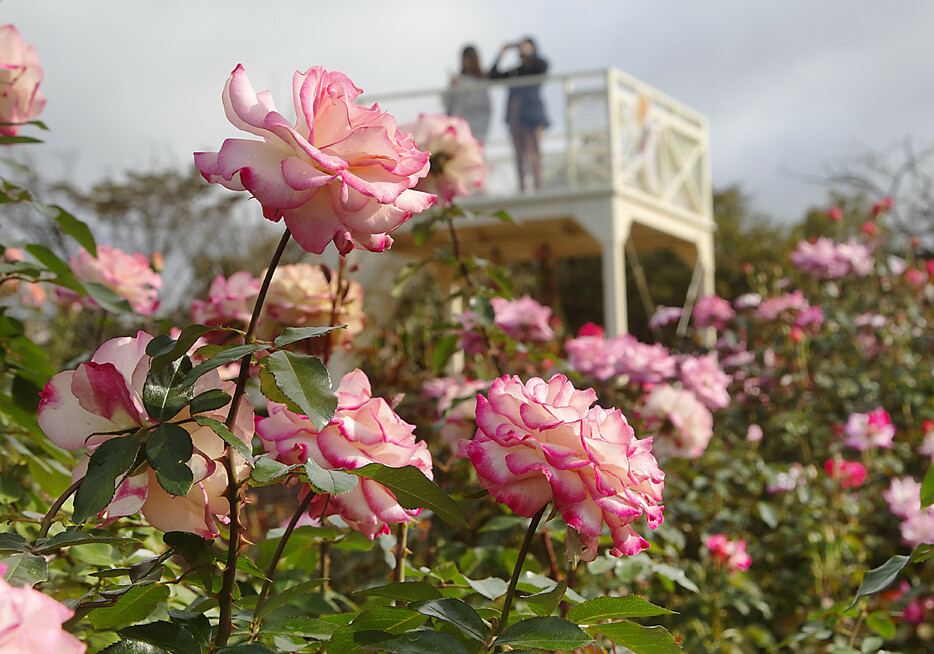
column 788, row 87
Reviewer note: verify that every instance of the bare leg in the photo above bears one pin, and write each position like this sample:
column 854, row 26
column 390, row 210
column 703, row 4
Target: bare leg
column 532, row 136
column 515, row 129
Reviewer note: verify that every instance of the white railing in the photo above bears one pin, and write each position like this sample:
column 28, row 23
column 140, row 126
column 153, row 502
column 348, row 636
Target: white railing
column 607, row 130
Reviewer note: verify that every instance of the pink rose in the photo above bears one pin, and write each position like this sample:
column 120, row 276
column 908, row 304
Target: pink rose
column 230, row 301
column 20, row 75
column 918, row 528
column 127, row 275
column 731, row 553
column 903, row 496
column 30, row 622
column 541, row 442
column 301, row 295
column 835, row 214
column 364, row 430
column 457, row 167
column 867, row 430
column 87, row 406
column 849, row 474
column 592, row 355
column 447, row 390
column 683, row 425
column 523, row 320
column 664, row 316
column 642, row 362
column 344, row 172
column 459, row 423
column 712, row 311
column 702, row 376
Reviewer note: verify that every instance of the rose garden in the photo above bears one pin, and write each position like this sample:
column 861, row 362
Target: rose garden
column 752, row 474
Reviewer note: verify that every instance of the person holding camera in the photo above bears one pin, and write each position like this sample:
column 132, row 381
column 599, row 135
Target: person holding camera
column 525, row 111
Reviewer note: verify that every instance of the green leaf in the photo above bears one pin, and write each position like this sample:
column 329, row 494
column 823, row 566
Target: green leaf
column 373, row 626
column 250, row 648
column 267, row 385
column 12, row 140
column 167, row 635
column 63, row 274
column 676, row 575
column 406, row 591
column 197, row 624
column 111, row 459
column 483, row 308
column 107, row 299
column 24, row 569
column 246, row 564
column 545, row 602
column 927, row 488
column 330, row 482
column 611, row 608
column 168, row 448
column 288, row 595
column 71, row 537
column 423, row 231
column 135, row 605
column 269, row 471
column 299, row 626
column 12, row 542
column 168, row 443
column 768, row 515
column 413, row 490
column 444, row 348
column 881, row 623
column 503, row 216
column 196, row 551
column 291, row 335
column 222, row 358
column 457, row 612
column 165, row 350
column 165, row 392
column 879, row 578
column 77, row 230
column 638, row 638
column 553, row 634
column 422, row 642
column 228, row 436
column 305, row 380
column 491, row 587
column 211, row 400
column 133, row 647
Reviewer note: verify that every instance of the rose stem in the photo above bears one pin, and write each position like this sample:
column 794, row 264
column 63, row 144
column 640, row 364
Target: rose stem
column 337, row 301
column 280, row 548
column 529, row 535
column 225, row 598
column 402, row 534
column 47, row 519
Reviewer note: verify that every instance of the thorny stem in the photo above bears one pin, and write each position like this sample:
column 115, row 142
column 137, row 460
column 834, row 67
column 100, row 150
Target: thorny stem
column 514, row 581
column 47, row 519
column 271, row 570
column 225, row 597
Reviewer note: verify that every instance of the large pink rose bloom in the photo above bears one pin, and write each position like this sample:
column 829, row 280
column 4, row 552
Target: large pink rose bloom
column 127, row 275
column 30, row 622
column 85, row 407
column 541, row 442
column 343, row 172
column 364, row 430
column 684, row 426
column 457, row 167
column 20, row 75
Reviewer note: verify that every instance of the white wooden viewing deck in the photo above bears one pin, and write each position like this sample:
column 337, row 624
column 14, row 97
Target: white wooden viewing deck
column 625, row 169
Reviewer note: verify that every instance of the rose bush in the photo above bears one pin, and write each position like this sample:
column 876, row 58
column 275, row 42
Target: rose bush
column 342, row 173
